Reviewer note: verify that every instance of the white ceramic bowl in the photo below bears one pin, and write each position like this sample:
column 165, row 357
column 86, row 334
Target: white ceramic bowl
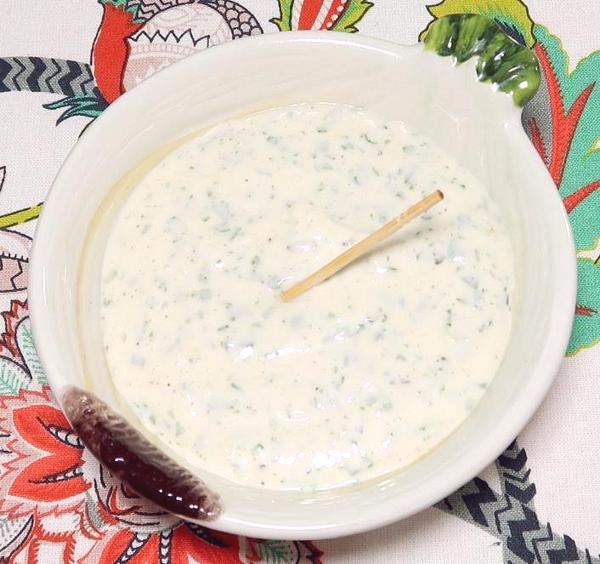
column 478, row 127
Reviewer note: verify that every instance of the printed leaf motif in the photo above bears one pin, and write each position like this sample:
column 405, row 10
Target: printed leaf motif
column 90, row 106
column 511, row 15
column 12, row 377
column 278, row 552
column 284, row 21
column 595, row 148
column 125, row 6
column 334, row 15
column 28, row 352
column 18, row 217
column 93, row 513
column 586, row 328
column 13, row 534
column 72, row 79
column 570, row 142
column 354, row 12
column 8, row 340
column 563, row 121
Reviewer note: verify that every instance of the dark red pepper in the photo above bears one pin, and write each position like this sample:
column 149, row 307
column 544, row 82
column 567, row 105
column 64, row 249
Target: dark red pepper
column 132, row 458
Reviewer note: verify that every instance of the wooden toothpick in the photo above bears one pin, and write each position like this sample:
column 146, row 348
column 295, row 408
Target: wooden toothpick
column 362, row 247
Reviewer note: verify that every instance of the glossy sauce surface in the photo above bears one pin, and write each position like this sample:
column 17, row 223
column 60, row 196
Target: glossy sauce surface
column 361, row 375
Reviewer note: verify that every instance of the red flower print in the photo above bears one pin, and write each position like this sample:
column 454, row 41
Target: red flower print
column 134, row 548
column 58, row 475
column 41, row 457
column 180, row 545
column 211, row 546
column 111, row 50
column 331, row 15
column 66, row 542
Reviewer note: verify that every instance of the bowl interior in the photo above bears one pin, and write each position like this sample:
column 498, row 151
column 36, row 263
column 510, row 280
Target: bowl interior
column 479, row 128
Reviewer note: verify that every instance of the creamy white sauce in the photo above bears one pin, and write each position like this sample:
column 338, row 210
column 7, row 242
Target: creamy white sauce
column 358, row 377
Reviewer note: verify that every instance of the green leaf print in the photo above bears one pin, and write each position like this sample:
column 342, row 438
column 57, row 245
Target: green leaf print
column 348, row 15
column 28, row 352
column 278, row 552
column 354, row 12
column 90, row 106
column 586, row 328
column 131, row 6
column 572, row 148
column 284, row 21
column 93, row 512
column 567, row 140
column 13, row 378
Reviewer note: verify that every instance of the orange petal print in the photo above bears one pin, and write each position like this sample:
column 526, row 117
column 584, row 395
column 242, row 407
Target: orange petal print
column 41, row 537
column 184, row 544
column 58, row 475
column 113, row 501
column 320, row 14
column 308, row 14
column 193, row 542
column 126, row 546
column 111, row 50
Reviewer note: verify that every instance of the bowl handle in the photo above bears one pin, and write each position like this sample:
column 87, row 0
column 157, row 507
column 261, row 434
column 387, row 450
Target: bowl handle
column 513, row 68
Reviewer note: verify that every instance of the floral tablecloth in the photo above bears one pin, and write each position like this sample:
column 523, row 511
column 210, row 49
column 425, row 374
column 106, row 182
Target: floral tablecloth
column 62, row 62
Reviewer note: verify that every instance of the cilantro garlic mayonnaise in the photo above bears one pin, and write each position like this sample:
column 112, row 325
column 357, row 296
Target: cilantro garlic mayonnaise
column 361, row 375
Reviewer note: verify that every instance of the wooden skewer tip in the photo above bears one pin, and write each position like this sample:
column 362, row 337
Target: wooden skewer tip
column 362, row 247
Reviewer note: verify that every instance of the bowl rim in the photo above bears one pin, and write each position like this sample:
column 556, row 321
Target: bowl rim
column 542, row 373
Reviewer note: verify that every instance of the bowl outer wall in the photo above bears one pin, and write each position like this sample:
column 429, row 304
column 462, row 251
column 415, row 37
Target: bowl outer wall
column 44, row 261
